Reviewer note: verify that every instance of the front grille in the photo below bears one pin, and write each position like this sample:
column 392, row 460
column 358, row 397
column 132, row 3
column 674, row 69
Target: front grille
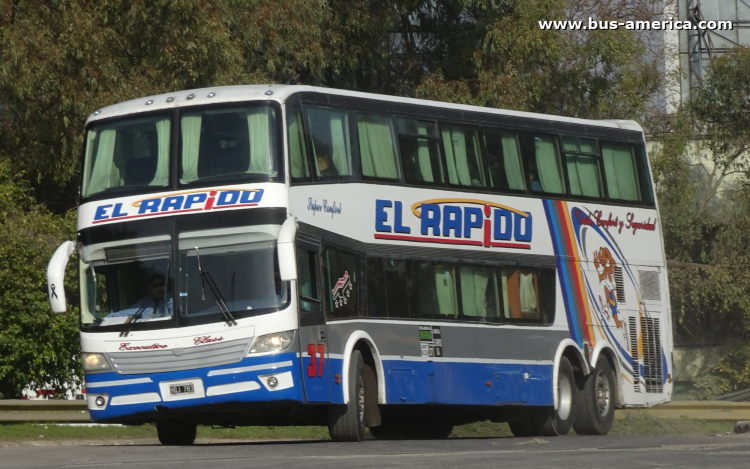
column 159, row 361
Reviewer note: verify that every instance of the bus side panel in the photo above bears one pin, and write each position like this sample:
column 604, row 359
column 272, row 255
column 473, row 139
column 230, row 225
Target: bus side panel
column 476, row 365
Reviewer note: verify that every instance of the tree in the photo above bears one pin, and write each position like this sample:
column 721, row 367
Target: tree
column 705, row 218
column 37, row 347
column 60, row 60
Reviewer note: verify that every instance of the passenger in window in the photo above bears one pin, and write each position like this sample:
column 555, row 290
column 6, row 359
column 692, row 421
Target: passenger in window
column 326, row 168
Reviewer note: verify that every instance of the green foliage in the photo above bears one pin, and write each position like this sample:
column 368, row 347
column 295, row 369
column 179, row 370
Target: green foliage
column 37, row 347
column 61, row 60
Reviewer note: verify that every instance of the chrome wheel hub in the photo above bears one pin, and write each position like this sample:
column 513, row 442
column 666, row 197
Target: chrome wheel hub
column 564, row 397
column 603, row 394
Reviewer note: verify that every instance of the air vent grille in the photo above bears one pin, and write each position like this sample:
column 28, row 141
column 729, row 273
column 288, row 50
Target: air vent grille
column 619, row 285
column 633, row 331
column 653, row 370
column 650, row 287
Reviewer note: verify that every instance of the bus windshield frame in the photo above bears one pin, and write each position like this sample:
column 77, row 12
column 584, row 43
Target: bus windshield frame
column 188, row 147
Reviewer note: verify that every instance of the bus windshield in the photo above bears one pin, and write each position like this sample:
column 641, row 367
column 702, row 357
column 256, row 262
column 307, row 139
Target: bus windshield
column 217, row 145
column 127, row 153
column 246, row 277
column 135, row 285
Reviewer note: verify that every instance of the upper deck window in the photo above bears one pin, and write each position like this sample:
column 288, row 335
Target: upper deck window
column 420, row 152
column 582, row 159
column 463, row 155
column 229, row 144
column 545, row 170
column 621, row 171
column 128, row 153
column 377, row 146
column 331, row 144
column 504, row 162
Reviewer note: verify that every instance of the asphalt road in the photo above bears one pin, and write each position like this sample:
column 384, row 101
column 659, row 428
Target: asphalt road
column 572, row 451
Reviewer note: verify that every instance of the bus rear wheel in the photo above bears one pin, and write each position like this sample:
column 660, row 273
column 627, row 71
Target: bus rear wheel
column 553, row 422
column 176, row 432
column 347, row 422
column 596, row 401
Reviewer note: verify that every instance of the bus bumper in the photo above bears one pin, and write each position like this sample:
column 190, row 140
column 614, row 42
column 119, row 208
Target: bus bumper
column 270, row 378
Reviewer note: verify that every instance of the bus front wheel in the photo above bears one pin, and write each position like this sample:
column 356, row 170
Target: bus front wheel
column 596, row 401
column 347, row 422
column 176, row 432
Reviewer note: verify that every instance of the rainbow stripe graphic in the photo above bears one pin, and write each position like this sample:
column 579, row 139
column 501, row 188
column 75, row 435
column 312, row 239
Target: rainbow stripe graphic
column 569, row 271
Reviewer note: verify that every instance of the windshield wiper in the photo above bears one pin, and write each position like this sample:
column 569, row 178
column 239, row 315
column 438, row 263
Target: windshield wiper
column 218, row 298
column 140, row 311
column 136, row 317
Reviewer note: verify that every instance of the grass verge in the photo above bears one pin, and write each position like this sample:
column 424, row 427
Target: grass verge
column 626, row 423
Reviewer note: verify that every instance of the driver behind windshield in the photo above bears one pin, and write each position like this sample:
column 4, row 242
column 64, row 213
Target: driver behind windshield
column 156, row 303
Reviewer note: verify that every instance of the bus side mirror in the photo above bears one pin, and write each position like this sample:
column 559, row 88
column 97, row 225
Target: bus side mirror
column 56, row 276
column 285, row 248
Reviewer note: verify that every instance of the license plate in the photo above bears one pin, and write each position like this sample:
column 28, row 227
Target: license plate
column 180, row 389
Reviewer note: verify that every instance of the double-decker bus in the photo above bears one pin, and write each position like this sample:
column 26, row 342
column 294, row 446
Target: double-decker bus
column 277, row 255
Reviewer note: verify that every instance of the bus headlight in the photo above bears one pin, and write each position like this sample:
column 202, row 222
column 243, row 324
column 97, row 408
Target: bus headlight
column 95, row 362
column 272, row 342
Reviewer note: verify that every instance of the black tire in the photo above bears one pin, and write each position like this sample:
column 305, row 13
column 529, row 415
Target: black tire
column 597, row 395
column 176, row 432
column 524, row 426
column 347, row 422
column 553, row 422
column 412, row 431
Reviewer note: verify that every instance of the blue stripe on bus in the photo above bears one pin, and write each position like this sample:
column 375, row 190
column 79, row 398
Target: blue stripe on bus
column 554, row 223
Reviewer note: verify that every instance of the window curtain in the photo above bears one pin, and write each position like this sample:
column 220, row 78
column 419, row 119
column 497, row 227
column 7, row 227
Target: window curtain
column 620, row 171
column 258, row 120
column 512, row 161
column 474, row 282
column 583, row 175
column 423, row 152
column 161, row 178
column 376, row 147
column 340, row 143
column 445, row 289
column 297, row 149
column 527, row 293
column 101, row 174
column 547, row 161
column 454, row 144
column 191, row 143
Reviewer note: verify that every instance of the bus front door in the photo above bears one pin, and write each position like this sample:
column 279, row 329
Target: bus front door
column 312, row 326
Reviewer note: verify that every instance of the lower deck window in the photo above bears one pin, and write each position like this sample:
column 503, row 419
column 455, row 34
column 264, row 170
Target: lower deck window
column 464, row 292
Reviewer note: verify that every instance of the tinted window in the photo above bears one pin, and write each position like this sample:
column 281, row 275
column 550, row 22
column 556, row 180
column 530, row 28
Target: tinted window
column 127, row 153
column 621, row 171
column 582, row 160
column 307, row 280
column 545, row 168
column 504, row 163
column 527, row 295
column 420, row 153
column 377, row 146
column 329, row 129
column 227, row 144
column 342, row 285
column 436, row 284
column 463, row 156
column 297, row 149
